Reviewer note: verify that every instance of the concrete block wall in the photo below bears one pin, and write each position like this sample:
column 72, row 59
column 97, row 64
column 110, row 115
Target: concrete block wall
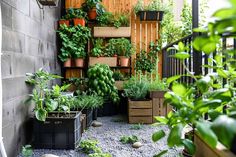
column 29, row 42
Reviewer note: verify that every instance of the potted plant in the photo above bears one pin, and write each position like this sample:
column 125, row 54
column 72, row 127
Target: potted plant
column 139, row 105
column 78, row 16
column 92, row 7
column 152, row 12
column 125, row 50
column 52, row 114
column 102, row 83
column 110, row 25
column 48, row 2
column 102, row 54
column 65, row 20
column 207, row 95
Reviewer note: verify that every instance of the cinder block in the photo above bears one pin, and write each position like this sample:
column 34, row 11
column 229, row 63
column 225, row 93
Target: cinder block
column 10, row 140
column 22, row 64
column 23, row 6
column 6, row 16
column 6, row 65
column 32, row 46
column 35, row 12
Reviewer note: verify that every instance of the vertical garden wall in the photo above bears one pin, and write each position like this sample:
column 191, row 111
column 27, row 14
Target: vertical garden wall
column 29, row 42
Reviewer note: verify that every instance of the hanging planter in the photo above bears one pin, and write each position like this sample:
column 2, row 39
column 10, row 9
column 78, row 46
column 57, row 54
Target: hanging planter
column 150, row 15
column 48, row 2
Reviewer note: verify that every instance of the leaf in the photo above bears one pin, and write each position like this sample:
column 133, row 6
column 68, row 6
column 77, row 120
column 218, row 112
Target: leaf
column 41, row 114
column 224, row 13
column 172, row 79
column 181, row 55
column 161, row 153
column 181, row 46
column 203, row 83
column 188, row 144
column 161, row 119
column 222, row 73
column 179, row 89
column 206, row 133
column 174, row 138
column 225, row 129
column 158, row 135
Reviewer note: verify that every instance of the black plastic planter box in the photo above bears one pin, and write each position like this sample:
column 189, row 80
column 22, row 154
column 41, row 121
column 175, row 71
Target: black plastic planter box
column 57, row 132
column 108, row 109
column 150, row 15
column 95, row 114
column 89, row 116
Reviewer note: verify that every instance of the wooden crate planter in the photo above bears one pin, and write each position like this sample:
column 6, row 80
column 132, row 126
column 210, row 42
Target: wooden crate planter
column 112, row 32
column 57, row 133
column 159, row 109
column 204, row 150
column 140, row 112
column 110, row 61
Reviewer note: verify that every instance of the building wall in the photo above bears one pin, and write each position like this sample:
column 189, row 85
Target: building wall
column 29, row 42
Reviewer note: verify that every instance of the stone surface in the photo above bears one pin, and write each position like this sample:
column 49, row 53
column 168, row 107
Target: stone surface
column 96, row 124
column 49, row 155
column 137, row 145
column 29, row 43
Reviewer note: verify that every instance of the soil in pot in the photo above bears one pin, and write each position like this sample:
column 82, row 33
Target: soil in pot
column 92, row 14
column 78, row 21
column 124, row 61
column 79, row 62
column 67, row 63
column 66, row 22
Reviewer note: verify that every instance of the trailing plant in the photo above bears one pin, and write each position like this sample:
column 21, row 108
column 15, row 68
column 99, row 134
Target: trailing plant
column 136, row 88
column 128, row 139
column 43, row 104
column 101, row 82
column 98, row 48
column 27, row 151
column 207, row 94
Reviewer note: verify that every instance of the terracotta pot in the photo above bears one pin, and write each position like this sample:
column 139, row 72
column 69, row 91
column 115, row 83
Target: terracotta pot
column 124, row 61
column 66, row 22
column 67, row 63
column 92, row 14
column 78, row 21
column 79, row 62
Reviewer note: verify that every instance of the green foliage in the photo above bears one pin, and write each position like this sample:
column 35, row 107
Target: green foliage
column 158, row 135
column 43, row 104
column 90, row 146
column 27, row 151
column 90, row 4
column 98, row 48
column 118, row 76
column 74, row 40
column 136, row 127
column 154, row 5
column 129, row 139
column 186, row 19
column 158, row 85
column 100, row 155
column 76, row 13
column 101, row 82
column 136, row 89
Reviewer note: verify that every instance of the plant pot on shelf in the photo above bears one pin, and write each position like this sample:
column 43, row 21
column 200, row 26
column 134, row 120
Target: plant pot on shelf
column 140, row 111
column 112, row 32
column 79, row 21
column 67, row 63
column 92, row 14
column 79, row 62
column 49, row 2
column 110, row 61
column 57, row 132
column 66, row 22
column 124, row 61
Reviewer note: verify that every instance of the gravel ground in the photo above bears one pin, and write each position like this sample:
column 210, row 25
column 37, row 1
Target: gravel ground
column 109, row 135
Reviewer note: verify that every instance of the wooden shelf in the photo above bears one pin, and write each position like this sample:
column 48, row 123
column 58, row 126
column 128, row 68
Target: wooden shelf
column 112, row 32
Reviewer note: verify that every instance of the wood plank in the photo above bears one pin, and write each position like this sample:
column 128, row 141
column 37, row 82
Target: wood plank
column 140, row 120
column 112, row 32
column 111, row 61
column 140, row 104
column 155, row 108
column 140, row 112
column 162, row 107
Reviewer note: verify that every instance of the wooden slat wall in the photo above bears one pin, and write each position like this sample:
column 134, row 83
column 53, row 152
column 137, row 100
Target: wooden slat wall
column 142, row 33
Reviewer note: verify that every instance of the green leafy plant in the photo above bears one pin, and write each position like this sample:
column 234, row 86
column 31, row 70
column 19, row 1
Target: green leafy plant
column 90, row 146
column 105, row 19
column 154, row 5
column 136, row 127
column 101, row 81
column 27, row 151
column 207, row 94
column 128, row 139
column 118, row 76
column 76, row 13
column 158, row 85
column 136, row 89
column 43, row 104
column 121, row 20
column 98, row 48
column 139, row 6
column 100, row 155
column 91, row 4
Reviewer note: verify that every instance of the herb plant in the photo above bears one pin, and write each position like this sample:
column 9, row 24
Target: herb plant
column 98, row 48
column 27, row 151
column 118, row 76
column 90, row 146
column 77, row 13
column 129, row 139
